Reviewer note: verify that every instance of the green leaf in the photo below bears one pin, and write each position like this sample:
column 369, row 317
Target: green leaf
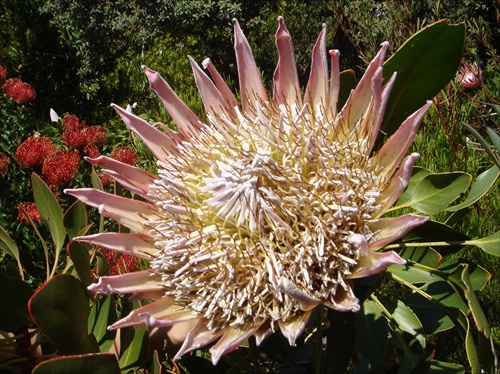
column 14, row 296
column 479, row 188
column 423, row 255
column 371, row 333
column 50, row 211
column 10, row 247
column 494, row 137
column 75, row 219
column 134, row 342
column 433, row 231
column 410, row 274
column 485, row 145
column 347, row 84
column 436, row 191
column 61, row 309
column 440, row 367
column 79, row 254
column 425, row 63
column 489, row 244
column 417, row 175
column 103, row 314
column 433, row 318
column 87, row 363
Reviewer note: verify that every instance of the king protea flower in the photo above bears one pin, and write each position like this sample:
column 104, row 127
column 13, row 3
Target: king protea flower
column 266, row 211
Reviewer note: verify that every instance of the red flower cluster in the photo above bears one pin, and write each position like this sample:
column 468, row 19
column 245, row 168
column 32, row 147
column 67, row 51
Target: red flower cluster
column 4, row 163
column 60, row 167
column 125, row 154
column 18, row 90
column 3, row 73
column 81, row 136
column 124, row 264
column 29, row 209
column 34, row 150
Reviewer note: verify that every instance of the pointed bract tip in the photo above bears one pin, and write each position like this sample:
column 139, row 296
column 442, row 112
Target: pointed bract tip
column 205, row 62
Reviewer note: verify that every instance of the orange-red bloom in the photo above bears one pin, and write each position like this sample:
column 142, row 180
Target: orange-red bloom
column 60, row 168
column 125, row 154
column 30, row 209
column 18, row 90
column 34, row 150
column 4, row 163
column 81, row 136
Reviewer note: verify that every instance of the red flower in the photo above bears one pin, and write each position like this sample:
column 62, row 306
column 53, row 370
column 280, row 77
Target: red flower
column 91, row 150
column 18, row 91
column 125, row 154
column 60, row 168
column 470, row 76
column 105, row 179
column 34, row 150
column 29, row 209
column 124, row 264
column 3, row 73
column 4, row 162
column 79, row 135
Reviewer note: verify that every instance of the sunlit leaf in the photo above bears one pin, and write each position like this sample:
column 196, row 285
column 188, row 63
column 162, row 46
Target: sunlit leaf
column 49, row 210
column 479, row 188
column 10, row 247
column 436, row 191
column 425, row 63
column 417, row 175
column 489, row 244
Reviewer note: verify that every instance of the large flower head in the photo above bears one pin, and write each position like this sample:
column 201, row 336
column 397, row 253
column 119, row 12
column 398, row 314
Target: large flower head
column 266, row 211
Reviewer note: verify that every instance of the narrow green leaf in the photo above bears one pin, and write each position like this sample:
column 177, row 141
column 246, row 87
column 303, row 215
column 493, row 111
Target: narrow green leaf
column 10, row 247
column 484, row 144
column 479, row 188
column 134, row 342
column 61, row 309
column 425, row 63
column 440, row 367
column 102, row 315
column 79, row 254
column 87, row 363
column 494, row 137
column 436, row 191
column 489, row 244
column 14, row 296
column 75, row 219
column 486, row 353
column 50, row 211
